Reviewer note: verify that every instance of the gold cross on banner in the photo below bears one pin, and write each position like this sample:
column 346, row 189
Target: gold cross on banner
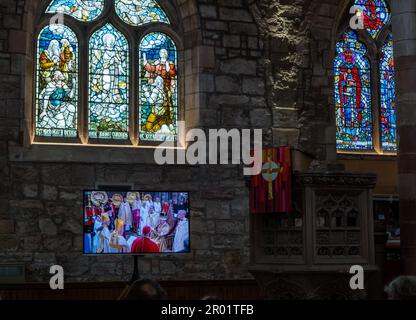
column 270, row 172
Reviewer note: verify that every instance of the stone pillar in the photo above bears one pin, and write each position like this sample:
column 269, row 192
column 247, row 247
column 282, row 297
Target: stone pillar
column 404, row 32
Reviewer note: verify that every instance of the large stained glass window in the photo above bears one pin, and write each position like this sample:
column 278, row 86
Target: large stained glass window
column 83, row 10
column 108, row 84
column 139, row 12
column 57, row 82
column 353, row 94
column 361, row 124
column 94, row 103
column 387, row 97
column 158, row 89
column 376, row 15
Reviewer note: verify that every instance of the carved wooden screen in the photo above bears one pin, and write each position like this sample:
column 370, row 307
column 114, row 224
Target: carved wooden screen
column 337, row 218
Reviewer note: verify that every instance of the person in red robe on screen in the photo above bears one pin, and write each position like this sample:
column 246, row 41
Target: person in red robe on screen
column 144, row 244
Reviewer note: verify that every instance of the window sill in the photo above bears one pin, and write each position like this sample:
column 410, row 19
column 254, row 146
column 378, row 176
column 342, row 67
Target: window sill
column 367, row 156
column 78, row 153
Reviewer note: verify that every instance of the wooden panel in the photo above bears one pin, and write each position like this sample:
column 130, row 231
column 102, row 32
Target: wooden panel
column 177, row 290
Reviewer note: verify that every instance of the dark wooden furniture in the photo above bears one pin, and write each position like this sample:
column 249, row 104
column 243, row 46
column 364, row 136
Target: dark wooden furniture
column 177, row 290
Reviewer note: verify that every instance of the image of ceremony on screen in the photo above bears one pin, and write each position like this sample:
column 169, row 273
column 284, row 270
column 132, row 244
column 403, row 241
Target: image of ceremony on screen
column 136, row 222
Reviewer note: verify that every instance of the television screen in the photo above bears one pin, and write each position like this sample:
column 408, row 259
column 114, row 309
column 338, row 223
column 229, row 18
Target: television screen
column 136, row 222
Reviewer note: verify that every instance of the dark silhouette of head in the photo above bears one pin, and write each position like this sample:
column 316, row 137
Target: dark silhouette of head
column 402, row 288
column 146, row 289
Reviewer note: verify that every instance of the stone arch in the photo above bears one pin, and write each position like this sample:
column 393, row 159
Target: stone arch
column 323, row 21
column 297, row 61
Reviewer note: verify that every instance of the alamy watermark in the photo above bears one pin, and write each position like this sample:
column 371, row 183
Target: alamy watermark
column 57, row 19
column 357, row 20
column 213, row 148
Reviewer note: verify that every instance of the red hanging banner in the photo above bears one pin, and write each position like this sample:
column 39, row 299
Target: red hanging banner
column 271, row 191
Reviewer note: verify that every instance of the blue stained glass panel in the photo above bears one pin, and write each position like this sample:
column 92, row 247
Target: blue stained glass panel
column 353, row 95
column 387, row 98
column 139, row 12
column 158, row 110
column 376, row 15
column 83, row 10
column 57, row 82
column 108, row 84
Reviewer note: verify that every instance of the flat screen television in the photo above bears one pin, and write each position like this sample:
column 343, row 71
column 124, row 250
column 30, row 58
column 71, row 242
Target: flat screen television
column 136, row 222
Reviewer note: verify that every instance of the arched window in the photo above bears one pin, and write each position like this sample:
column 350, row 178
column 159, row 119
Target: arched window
column 365, row 108
column 92, row 87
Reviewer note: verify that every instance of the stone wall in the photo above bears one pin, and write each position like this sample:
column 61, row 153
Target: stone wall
column 300, row 39
column 40, row 215
column 254, row 64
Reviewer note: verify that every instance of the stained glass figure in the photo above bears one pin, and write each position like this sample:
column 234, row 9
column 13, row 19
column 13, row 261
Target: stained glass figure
column 83, row 10
column 108, row 84
column 376, row 15
column 158, row 88
column 352, row 94
column 57, row 82
column 139, row 12
column 387, row 98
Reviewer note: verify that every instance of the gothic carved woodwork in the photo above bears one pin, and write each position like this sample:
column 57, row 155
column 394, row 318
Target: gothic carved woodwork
column 329, row 230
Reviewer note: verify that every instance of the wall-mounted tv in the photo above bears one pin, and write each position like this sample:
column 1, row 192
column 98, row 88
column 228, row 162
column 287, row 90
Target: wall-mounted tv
column 136, row 222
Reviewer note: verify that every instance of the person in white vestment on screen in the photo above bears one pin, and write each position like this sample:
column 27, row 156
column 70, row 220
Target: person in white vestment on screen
column 104, row 234
column 182, row 232
column 144, row 216
column 124, row 213
column 118, row 244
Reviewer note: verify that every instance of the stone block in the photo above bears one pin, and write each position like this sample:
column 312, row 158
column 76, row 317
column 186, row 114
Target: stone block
column 48, row 227
column 239, row 66
column 208, row 11
column 49, row 192
column 227, row 84
column 8, row 242
column 229, row 227
column 232, row 14
column 253, row 86
column 6, row 226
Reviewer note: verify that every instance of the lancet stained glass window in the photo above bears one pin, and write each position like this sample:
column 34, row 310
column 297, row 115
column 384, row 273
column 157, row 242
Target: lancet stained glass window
column 83, row 10
column 353, row 94
column 108, row 84
column 158, row 88
column 139, row 12
column 376, row 15
column 57, row 82
column 387, row 97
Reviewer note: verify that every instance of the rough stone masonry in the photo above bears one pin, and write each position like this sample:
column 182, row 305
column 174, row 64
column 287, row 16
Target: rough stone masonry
column 249, row 64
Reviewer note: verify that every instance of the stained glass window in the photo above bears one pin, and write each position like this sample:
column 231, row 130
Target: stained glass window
column 108, row 84
column 109, row 112
column 353, row 94
column 57, row 82
column 83, row 10
column 376, row 15
column 387, row 97
column 139, row 12
column 158, row 110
